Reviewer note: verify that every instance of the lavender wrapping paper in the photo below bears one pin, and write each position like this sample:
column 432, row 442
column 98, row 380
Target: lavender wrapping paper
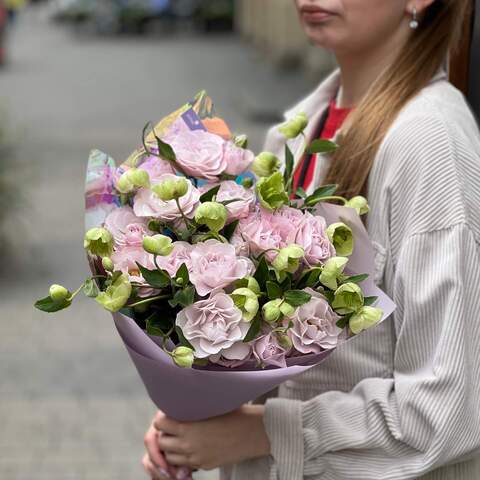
column 196, row 394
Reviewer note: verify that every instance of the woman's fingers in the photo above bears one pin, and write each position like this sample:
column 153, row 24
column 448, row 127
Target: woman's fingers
column 164, row 424
column 170, row 443
column 155, row 472
column 177, row 459
column 151, row 444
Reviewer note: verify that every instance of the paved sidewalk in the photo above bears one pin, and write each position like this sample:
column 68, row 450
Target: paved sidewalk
column 71, row 404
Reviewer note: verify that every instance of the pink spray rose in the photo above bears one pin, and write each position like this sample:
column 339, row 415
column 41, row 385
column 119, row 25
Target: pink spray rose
column 314, row 325
column 215, row 326
column 126, row 227
column 200, row 154
column 238, row 159
column 180, row 255
column 268, row 351
column 260, row 232
column 156, row 167
column 221, row 360
column 231, row 190
column 125, row 260
column 311, row 234
column 147, row 204
column 216, row 265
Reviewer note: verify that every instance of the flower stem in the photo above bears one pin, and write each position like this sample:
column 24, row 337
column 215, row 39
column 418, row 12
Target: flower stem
column 149, row 300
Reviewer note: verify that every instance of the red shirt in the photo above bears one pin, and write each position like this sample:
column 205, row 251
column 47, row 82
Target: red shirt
column 335, row 119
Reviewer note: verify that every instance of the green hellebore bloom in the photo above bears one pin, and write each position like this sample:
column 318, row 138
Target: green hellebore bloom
column 348, row 298
column 360, row 204
column 158, row 245
column 271, row 310
column 284, row 340
column 241, row 141
column 108, row 264
column 288, row 259
column 98, row 241
column 133, row 178
column 171, row 189
column 287, row 309
column 116, row 296
column 247, row 302
column 250, row 283
column 265, row 164
column 365, row 318
column 332, row 270
column 271, row 191
column 294, row 127
column 212, row 214
column 58, row 293
column 183, row 357
column 341, row 237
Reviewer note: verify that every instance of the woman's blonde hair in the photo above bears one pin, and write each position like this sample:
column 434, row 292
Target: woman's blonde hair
column 426, row 50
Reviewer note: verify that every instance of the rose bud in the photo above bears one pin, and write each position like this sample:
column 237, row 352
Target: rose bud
column 212, row 214
column 158, row 245
column 58, row 293
column 108, row 264
column 183, row 357
column 360, row 204
column 294, row 127
column 247, row 301
column 171, row 189
column 265, row 164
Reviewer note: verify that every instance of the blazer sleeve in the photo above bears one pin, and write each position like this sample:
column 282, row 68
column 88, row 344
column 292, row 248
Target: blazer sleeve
column 425, row 416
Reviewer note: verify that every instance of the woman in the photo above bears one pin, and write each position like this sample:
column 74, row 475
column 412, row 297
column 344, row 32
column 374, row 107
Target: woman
column 401, row 401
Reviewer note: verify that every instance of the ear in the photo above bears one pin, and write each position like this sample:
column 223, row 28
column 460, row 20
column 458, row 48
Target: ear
column 420, row 5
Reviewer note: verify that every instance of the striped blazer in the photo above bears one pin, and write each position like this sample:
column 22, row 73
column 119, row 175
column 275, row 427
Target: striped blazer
column 402, row 401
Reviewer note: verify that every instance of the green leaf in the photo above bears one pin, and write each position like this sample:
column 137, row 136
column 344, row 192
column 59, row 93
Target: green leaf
column 229, row 230
column 155, row 278
column 356, row 278
column 254, row 329
column 310, row 278
column 261, row 274
column 50, row 306
column 183, row 275
column 322, row 146
column 343, row 322
column 90, row 288
column 208, row 196
column 184, row 297
column 158, row 325
column 289, row 162
column 369, row 301
column 297, row 298
column 274, row 290
column 165, row 150
column 301, row 193
column 319, row 194
column 329, row 295
column 183, row 341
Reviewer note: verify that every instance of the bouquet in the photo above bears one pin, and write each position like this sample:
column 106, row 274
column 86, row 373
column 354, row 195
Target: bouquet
column 223, row 282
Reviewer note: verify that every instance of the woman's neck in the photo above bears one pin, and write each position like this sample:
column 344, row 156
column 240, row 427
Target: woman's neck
column 360, row 70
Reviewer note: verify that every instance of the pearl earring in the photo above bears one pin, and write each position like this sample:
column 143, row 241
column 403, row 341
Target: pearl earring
column 414, row 22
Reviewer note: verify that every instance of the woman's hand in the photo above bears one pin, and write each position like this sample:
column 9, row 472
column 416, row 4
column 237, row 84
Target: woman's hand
column 154, row 461
column 208, row 444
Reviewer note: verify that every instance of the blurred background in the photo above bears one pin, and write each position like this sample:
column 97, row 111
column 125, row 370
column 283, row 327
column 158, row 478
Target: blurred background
column 82, row 74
